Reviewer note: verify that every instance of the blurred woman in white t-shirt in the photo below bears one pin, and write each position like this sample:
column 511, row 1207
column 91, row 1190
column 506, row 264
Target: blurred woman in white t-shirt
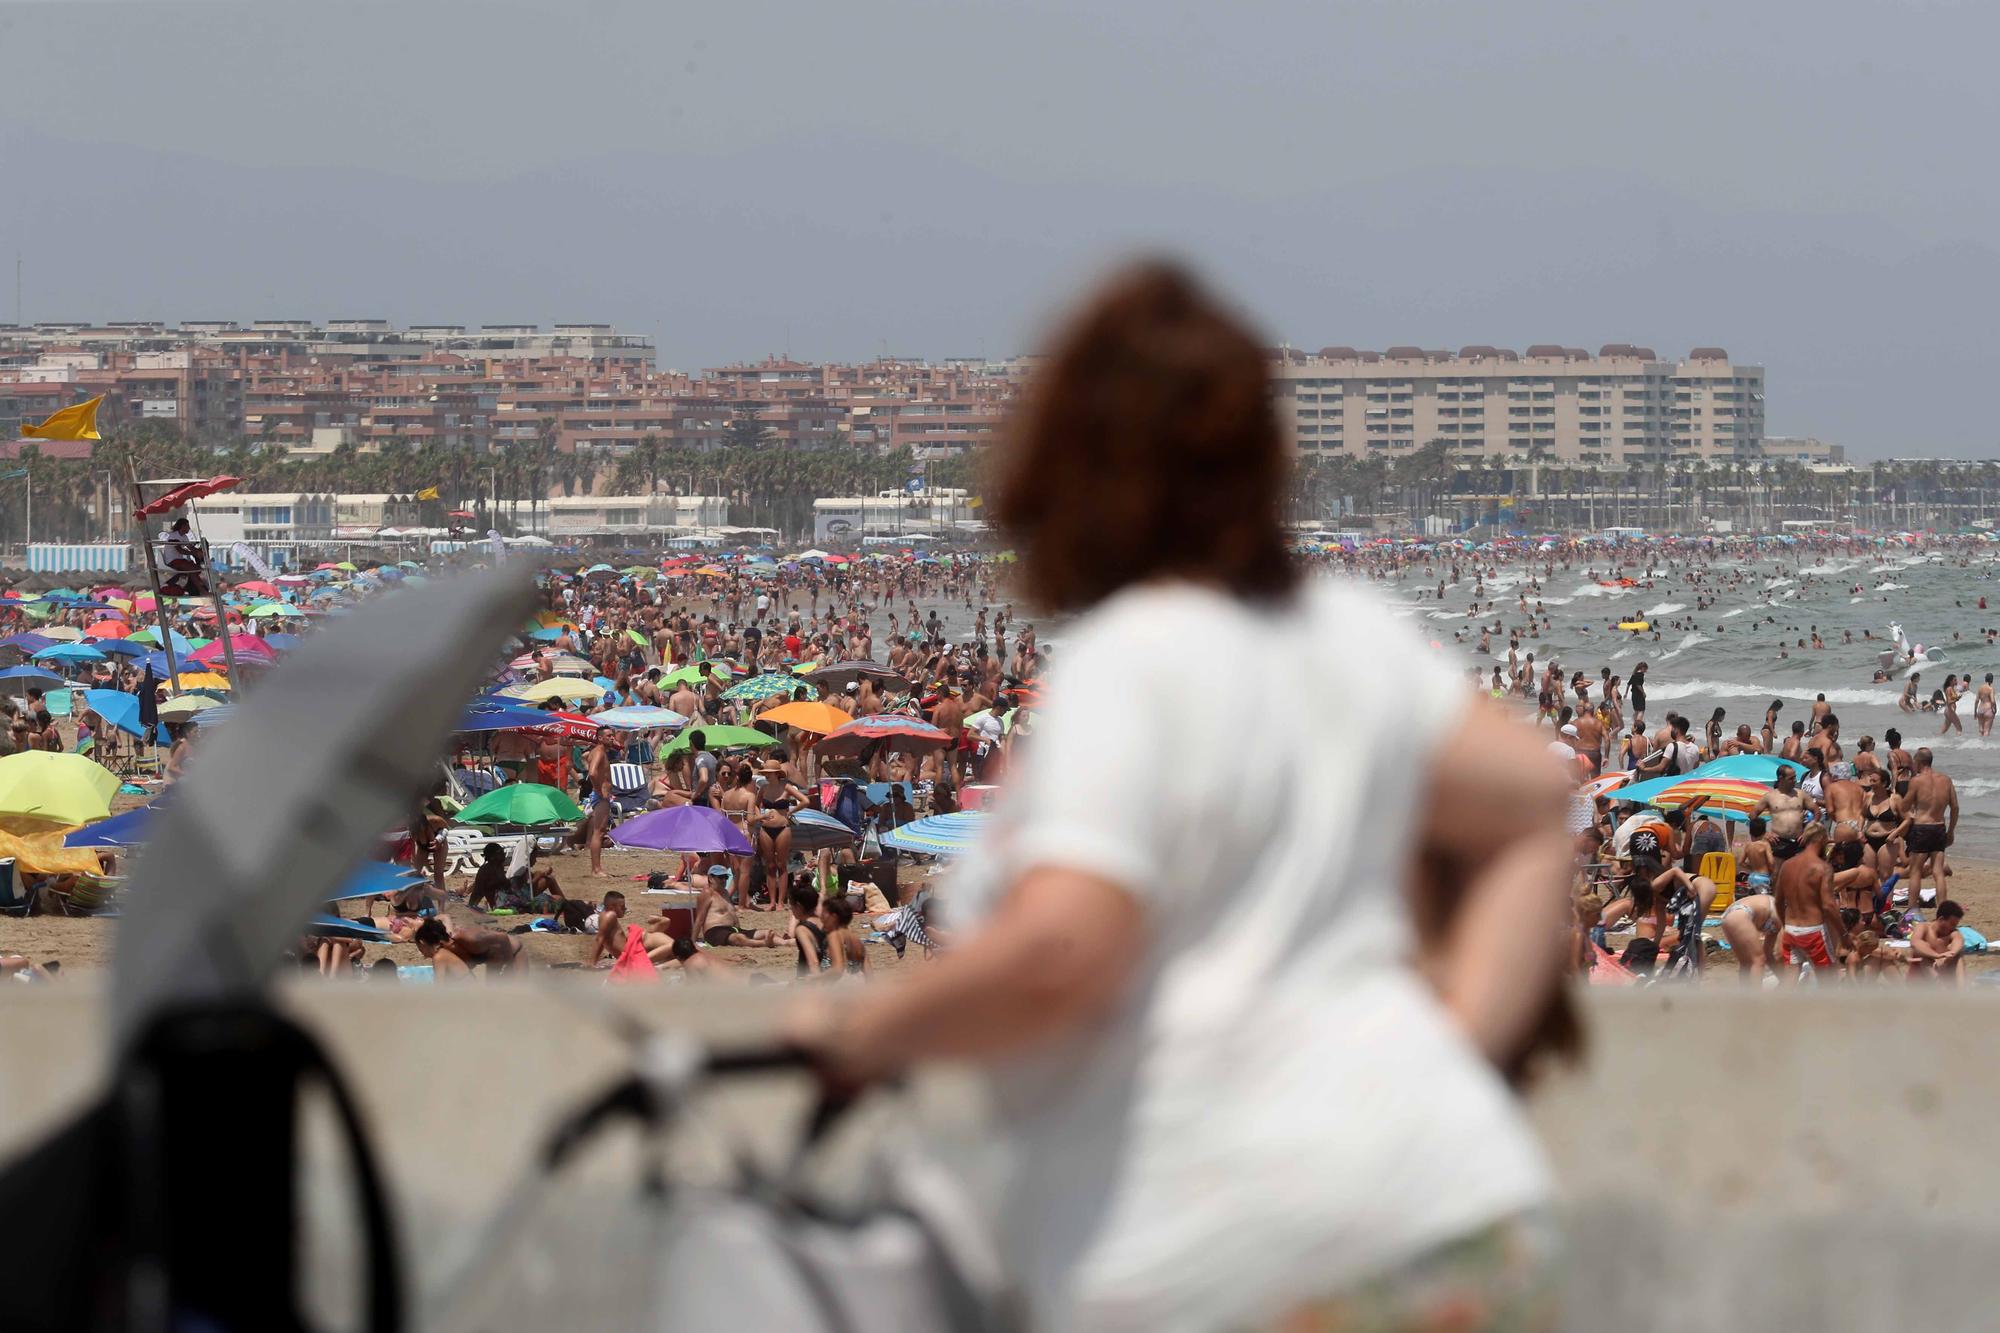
column 1266, row 906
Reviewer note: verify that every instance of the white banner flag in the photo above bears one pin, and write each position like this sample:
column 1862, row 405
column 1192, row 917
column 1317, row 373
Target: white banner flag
column 499, row 545
column 243, row 553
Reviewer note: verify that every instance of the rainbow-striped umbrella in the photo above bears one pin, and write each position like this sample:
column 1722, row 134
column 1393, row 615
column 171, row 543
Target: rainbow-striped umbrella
column 1737, row 796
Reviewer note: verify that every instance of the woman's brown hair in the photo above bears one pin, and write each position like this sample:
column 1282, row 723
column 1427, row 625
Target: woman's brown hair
column 1148, row 447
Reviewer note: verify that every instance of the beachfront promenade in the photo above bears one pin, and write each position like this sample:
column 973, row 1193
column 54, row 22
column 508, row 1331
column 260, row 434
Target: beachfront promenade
column 1728, row 1162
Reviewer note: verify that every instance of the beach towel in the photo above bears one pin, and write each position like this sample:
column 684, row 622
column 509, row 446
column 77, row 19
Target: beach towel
column 1608, row 971
column 632, row 964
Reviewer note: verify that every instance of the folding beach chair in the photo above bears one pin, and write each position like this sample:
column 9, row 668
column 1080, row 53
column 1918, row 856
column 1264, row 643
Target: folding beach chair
column 630, row 791
column 15, row 899
column 1720, row 867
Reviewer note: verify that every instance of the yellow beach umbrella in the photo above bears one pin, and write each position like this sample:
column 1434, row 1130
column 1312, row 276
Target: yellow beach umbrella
column 562, row 687
column 43, row 790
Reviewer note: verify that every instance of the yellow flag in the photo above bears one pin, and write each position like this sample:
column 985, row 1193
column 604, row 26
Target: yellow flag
column 428, row 493
column 77, row 422
column 976, row 502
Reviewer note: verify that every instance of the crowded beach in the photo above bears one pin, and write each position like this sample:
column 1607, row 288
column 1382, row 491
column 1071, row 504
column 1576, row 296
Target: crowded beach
column 750, row 765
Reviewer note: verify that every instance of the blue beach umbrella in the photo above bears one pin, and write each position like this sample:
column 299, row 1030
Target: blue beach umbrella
column 116, row 707
column 70, row 653
column 25, row 676
column 121, row 648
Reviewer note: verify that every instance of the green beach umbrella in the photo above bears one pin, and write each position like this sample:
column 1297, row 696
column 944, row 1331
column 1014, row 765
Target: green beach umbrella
column 719, row 738
column 522, row 803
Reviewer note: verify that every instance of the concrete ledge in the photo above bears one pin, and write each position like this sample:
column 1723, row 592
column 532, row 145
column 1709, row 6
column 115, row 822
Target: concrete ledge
column 1727, row 1160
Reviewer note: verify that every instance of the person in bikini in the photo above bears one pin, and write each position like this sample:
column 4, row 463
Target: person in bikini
column 1750, row 926
column 1884, row 824
column 457, row 953
column 773, row 840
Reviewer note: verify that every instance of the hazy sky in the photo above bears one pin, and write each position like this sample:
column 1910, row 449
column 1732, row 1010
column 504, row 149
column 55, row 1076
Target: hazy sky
column 1808, row 184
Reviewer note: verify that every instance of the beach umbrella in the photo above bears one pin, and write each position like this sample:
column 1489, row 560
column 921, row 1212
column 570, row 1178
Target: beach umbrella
column 522, row 803
column 639, row 717
column 42, row 789
column 815, row 830
column 257, row 586
column 121, row 648
column 346, row 928
column 272, row 611
column 565, row 664
column 106, row 629
column 814, row 717
column 149, row 635
column 116, row 707
column 938, row 835
column 27, row 642
column 694, row 673
column 548, row 633
column 70, row 653
column 1596, row 787
column 684, row 828
column 489, row 713
column 720, row 738
column 277, row 812
column 21, row 677
column 569, row 726
column 839, row 675
column 204, row 680
column 63, row 633
column 770, row 685
column 125, row 829
column 248, row 647
column 562, row 687
column 1736, row 795
column 884, row 731
column 186, row 706
column 282, row 642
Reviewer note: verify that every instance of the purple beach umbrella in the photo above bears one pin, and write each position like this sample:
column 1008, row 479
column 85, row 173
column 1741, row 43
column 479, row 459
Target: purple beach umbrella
column 685, row 828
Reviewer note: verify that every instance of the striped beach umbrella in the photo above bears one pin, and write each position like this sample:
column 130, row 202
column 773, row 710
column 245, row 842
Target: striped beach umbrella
column 938, row 835
column 769, row 685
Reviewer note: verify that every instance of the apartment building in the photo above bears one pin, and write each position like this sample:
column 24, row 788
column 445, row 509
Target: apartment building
column 1623, row 405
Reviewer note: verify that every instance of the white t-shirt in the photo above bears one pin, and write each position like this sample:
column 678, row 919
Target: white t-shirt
column 1279, row 1105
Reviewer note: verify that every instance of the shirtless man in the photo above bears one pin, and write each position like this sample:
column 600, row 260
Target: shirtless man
column 1983, row 704
column 716, row 920
column 1808, row 916
column 1827, row 740
column 1937, row 949
column 1745, row 741
column 1784, row 806
column 610, row 941
column 1589, row 740
column 1932, row 807
column 597, row 772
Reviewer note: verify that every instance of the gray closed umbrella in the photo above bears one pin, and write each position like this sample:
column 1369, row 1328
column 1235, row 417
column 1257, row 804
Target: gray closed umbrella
column 330, row 749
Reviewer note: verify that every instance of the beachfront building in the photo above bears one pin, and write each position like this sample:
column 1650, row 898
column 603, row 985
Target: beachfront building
column 932, row 511
column 633, row 515
column 1623, row 406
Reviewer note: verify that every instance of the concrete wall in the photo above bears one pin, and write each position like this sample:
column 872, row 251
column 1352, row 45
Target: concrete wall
column 1761, row 1162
